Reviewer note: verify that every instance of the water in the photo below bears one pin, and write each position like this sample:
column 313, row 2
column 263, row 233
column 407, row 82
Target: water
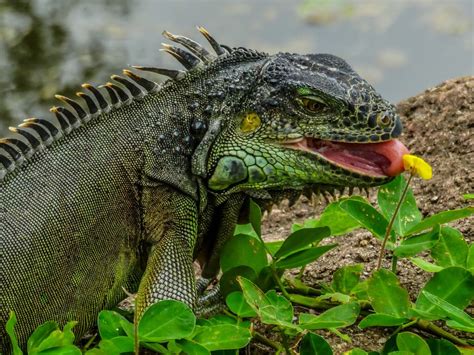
column 51, row 46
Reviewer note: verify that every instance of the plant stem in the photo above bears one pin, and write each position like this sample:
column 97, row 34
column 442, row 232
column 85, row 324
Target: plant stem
column 264, row 340
column 299, row 287
column 278, row 281
column 300, row 274
column 390, row 224
column 434, row 329
column 89, row 342
column 311, row 302
column 394, row 263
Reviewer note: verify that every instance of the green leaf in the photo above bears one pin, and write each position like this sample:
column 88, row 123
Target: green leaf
column 243, row 250
column 453, row 284
column 237, row 304
column 128, row 328
column 407, row 341
column 56, row 339
column 357, row 351
column 166, row 320
column 425, row 265
column 302, row 239
column 282, row 307
column 381, row 320
column 190, row 347
column 367, row 216
column 336, row 317
column 442, row 347
column 255, row 217
column 335, row 297
column 450, row 310
column 62, row 350
column 334, row 217
column 313, row 344
column 10, row 328
column 451, row 249
column 157, row 347
column 468, row 196
column 417, row 243
column 346, row 278
column 117, row 345
column 470, row 259
column 387, row 296
column 274, row 246
column 270, row 310
column 222, row 337
column 303, row 257
column 109, row 324
column 360, row 290
column 246, row 229
column 228, row 281
column 441, row 218
column 266, row 280
column 455, row 325
column 40, row 334
column 388, row 197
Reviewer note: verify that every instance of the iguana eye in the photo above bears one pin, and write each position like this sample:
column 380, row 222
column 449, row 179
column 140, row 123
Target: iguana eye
column 250, row 122
column 312, row 105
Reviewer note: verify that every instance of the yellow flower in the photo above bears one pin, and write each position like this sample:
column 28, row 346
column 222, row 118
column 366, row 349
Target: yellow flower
column 418, row 166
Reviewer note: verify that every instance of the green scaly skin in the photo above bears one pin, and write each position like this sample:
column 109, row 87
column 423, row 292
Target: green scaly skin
column 133, row 196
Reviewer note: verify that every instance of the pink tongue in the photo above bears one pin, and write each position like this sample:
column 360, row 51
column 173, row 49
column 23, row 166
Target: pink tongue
column 379, row 158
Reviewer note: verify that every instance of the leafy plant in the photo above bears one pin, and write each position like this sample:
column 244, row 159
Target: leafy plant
column 256, row 288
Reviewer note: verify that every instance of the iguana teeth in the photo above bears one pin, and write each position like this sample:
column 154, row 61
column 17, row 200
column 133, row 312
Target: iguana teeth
column 351, row 190
column 216, row 46
column 315, row 199
column 367, row 192
column 194, row 47
column 188, row 60
column 136, row 92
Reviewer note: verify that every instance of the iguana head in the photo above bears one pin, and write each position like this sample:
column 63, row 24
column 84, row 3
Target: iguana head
column 306, row 120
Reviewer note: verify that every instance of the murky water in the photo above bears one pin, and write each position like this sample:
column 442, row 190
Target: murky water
column 52, row 46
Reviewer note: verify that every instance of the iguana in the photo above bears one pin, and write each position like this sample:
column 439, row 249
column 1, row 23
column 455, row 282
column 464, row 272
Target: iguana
column 127, row 189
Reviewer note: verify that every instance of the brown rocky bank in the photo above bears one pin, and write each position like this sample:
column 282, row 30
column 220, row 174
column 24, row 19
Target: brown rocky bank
column 438, row 126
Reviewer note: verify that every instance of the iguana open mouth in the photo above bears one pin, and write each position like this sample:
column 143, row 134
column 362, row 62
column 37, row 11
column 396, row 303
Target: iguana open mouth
column 372, row 159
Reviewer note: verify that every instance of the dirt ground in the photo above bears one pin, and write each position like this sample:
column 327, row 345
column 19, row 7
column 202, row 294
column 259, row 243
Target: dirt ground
column 438, row 126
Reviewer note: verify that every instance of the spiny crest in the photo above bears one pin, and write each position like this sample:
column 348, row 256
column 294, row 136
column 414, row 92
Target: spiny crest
column 35, row 134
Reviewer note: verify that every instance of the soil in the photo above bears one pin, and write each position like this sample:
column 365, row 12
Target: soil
column 438, row 126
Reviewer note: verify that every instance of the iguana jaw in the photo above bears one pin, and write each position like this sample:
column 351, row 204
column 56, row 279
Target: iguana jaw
column 370, row 159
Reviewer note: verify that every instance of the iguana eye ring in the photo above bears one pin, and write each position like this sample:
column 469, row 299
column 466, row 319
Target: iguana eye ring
column 312, row 105
column 383, row 120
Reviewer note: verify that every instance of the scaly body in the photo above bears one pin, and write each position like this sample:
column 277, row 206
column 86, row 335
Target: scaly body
column 130, row 190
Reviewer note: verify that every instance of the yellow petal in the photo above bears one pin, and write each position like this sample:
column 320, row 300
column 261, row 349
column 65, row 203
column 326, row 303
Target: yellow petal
column 418, row 166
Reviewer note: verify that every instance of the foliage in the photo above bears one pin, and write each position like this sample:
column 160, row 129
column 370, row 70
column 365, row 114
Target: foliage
column 255, row 288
